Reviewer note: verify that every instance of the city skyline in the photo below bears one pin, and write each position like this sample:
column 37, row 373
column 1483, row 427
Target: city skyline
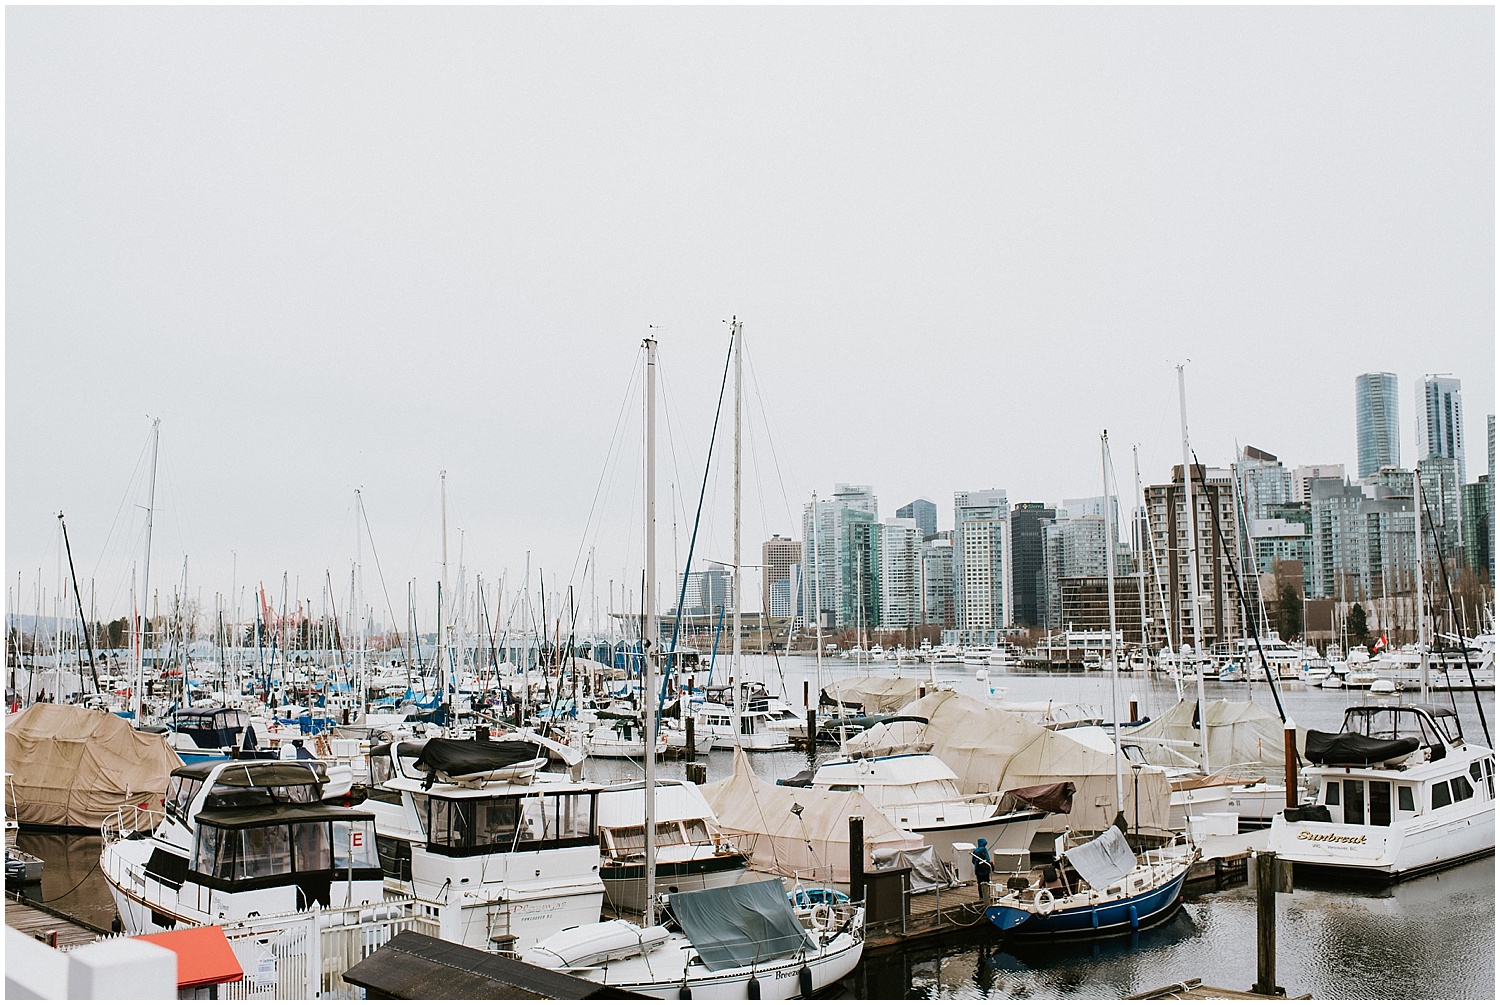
column 432, row 240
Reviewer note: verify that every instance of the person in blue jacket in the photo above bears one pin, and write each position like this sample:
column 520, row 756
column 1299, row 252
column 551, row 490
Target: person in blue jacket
column 981, row 858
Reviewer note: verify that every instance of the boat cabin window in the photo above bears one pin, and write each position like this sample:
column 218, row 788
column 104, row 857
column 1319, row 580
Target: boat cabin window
column 506, row 823
column 181, row 791
column 1461, row 788
column 1440, row 795
column 1332, row 799
column 697, row 831
column 276, row 850
column 1489, row 776
column 1404, row 800
column 1380, row 803
column 1354, row 801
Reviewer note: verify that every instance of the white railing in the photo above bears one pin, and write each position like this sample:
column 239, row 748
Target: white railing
column 294, row 957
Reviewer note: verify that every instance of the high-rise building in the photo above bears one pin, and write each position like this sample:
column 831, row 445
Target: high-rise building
column 707, row 591
column 1334, row 506
column 835, row 565
column 937, row 580
column 1028, row 571
column 1264, row 482
column 1442, row 515
column 1072, row 548
column 900, row 574
column 1440, row 420
column 777, row 556
column 981, row 565
column 1377, row 422
column 859, row 570
column 1219, row 608
column 1302, row 477
column 1479, row 545
column 923, row 512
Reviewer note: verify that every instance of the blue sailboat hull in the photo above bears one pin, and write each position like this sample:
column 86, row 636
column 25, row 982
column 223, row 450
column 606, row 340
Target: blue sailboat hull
column 1122, row 915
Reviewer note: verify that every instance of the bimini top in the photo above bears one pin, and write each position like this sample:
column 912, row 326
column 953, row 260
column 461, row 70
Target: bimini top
column 457, row 758
column 734, row 926
column 1356, row 749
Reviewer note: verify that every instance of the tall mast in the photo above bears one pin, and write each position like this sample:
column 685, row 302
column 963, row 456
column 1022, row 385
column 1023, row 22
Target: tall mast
column 817, row 598
column 1143, row 529
column 1416, row 492
column 649, row 630
column 736, row 673
column 442, row 664
column 140, row 660
column 1192, row 531
column 1114, row 649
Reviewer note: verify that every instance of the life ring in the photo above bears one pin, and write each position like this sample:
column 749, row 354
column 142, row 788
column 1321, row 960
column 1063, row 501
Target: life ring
column 1044, row 902
column 822, row 915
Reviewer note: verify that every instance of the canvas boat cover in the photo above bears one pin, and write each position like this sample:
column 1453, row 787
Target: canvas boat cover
column 874, row 694
column 1104, row 860
column 1356, row 748
column 1242, row 736
column 802, row 833
column 72, row 766
column 992, row 750
column 735, row 926
column 456, row 758
column 1053, row 797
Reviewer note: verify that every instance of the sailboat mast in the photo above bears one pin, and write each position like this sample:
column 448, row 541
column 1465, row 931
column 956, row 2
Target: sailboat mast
column 1193, row 590
column 1416, row 491
column 1143, row 528
column 817, row 601
column 649, row 629
column 1114, row 649
column 736, row 674
column 140, row 661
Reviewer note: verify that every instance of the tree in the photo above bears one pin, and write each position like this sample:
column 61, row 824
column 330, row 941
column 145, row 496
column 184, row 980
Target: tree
column 1288, row 612
column 1357, row 626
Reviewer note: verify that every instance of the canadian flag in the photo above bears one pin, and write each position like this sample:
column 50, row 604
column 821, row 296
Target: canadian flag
column 1382, row 644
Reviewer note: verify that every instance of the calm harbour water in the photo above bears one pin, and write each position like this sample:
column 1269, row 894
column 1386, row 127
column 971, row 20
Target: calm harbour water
column 1432, row 937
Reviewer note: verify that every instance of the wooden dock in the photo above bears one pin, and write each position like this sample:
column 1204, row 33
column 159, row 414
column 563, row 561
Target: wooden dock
column 53, row 929
column 1196, row 990
column 941, row 912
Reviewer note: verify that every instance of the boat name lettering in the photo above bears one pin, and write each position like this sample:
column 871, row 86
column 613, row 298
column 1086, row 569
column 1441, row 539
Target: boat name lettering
column 1331, row 838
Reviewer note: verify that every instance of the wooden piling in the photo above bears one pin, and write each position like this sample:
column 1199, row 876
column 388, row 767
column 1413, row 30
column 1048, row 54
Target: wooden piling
column 1266, row 882
column 692, row 739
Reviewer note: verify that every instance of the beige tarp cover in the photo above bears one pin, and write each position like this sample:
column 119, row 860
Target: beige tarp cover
column 812, row 845
column 1242, row 737
column 875, row 694
column 72, row 767
column 992, row 750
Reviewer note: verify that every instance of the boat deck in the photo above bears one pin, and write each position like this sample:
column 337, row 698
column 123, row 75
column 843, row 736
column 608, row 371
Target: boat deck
column 40, row 923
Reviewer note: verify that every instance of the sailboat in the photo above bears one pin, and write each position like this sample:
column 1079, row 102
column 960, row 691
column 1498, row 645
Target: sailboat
column 743, row 941
column 1098, row 886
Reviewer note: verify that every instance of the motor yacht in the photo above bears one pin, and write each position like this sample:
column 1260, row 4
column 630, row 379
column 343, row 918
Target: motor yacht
column 1398, row 792
column 692, row 852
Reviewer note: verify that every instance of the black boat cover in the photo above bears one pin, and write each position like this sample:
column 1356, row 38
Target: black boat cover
column 734, row 926
column 1356, row 748
column 800, row 780
column 456, row 758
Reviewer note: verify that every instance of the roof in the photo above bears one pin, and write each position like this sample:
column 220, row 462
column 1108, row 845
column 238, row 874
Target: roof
column 283, row 813
column 413, row 965
column 256, row 773
column 204, row 956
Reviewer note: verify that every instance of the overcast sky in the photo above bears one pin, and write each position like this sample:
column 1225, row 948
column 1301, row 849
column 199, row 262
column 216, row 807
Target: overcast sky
column 340, row 248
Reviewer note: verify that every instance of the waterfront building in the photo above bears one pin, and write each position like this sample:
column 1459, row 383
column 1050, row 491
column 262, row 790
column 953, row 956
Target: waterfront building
column 923, row 512
column 777, row 557
column 1028, row 561
column 981, row 566
column 1264, row 482
column 900, row 556
column 1334, row 508
column 1072, row 547
column 834, row 560
column 859, row 569
column 1440, row 419
column 707, row 591
column 937, row 580
column 1219, row 608
column 1084, row 606
column 1387, row 557
column 1303, row 475
column 1479, row 543
column 1377, row 422
column 1442, row 512
column 1277, row 539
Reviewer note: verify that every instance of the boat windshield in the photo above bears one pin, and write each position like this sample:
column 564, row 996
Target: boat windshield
column 1427, row 725
column 271, row 850
column 510, row 823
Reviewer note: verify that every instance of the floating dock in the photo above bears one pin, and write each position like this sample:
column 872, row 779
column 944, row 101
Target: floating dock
column 41, row 924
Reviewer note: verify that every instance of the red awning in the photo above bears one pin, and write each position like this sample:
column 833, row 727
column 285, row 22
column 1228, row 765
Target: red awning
column 203, row 956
